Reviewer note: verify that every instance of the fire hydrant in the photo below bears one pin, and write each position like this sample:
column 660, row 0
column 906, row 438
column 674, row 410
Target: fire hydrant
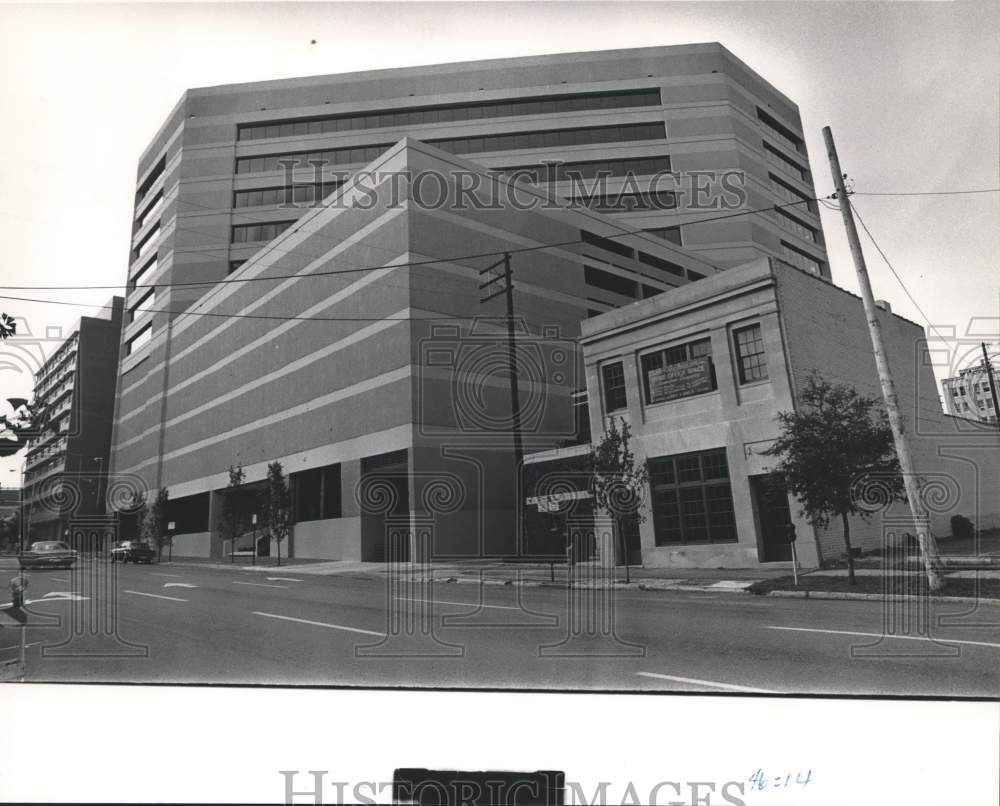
column 17, row 587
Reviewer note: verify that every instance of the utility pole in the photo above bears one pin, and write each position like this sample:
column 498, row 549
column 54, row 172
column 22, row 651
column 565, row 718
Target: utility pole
column 507, row 289
column 921, row 520
column 993, row 383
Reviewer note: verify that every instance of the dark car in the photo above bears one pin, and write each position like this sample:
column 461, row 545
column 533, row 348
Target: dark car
column 132, row 551
column 48, row 554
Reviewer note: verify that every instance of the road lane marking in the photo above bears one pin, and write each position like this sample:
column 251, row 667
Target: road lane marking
column 60, row 579
column 18, row 646
column 709, row 683
column 319, row 623
column 156, row 596
column 282, row 579
column 260, row 585
column 463, row 604
column 936, row 639
column 154, row 574
column 178, row 585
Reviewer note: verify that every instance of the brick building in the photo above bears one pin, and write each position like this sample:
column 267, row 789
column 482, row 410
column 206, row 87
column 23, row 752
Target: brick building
column 747, row 339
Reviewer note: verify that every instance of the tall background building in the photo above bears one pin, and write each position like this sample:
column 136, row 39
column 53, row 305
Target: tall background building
column 969, row 394
column 688, row 134
column 65, row 468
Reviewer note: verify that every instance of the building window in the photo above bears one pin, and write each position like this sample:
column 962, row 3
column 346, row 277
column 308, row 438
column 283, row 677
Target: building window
column 146, row 271
column 680, row 371
column 779, row 160
column 462, row 145
column 142, row 305
column 581, row 417
column 156, row 204
column 447, row 114
column 613, row 380
column 791, row 224
column 316, row 494
column 779, row 132
column 147, row 243
column 606, row 281
column 151, row 179
column 801, row 260
column 751, row 360
column 692, row 499
column 139, row 339
column 609, row 244
column 292, row 194
column 659, row 263
column 553, row 137
column 253, row 233
column 787, row 193
column 628, row 202
column 672, row 234
column 577, row 171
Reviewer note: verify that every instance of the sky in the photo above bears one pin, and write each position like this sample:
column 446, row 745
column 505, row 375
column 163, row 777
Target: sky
column 911, row 91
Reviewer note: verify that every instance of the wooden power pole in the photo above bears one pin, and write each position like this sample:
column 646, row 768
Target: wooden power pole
column 921, row 520
column 507, row 290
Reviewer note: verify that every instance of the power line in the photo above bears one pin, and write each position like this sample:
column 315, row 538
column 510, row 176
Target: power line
column 253, row 316
column 931, row 192
column 895, row 274
column 411, row 264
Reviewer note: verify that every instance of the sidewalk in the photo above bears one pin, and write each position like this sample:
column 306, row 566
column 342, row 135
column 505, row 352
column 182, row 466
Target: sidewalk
column 528, row 574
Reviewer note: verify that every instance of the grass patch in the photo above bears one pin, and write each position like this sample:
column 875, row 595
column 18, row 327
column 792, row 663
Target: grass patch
column 986, row 588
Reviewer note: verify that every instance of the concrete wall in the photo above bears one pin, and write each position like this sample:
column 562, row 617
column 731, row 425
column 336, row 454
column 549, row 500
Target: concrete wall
column 332, row 539
column 194, row 544
column 959, row 460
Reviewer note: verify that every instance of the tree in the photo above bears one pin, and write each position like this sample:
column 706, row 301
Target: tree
column 837, row 443
column 277, row 505
column 10, row 532
column 154, row 522
column 8, row 327
column 230, row 516
column 27, row 422
column 618, row 486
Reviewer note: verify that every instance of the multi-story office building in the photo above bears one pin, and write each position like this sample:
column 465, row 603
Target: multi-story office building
column 676, row 142
column 969, row 394
column 66, row 466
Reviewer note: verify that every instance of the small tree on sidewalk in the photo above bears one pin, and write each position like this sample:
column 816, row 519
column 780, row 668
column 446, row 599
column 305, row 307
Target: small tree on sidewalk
column 154, row 523
column 834, row 447
column 277, row 505
column 230, row 516
column 618, row 485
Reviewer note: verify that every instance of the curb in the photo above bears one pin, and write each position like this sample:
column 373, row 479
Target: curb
column 650, row 587
column 877, row 597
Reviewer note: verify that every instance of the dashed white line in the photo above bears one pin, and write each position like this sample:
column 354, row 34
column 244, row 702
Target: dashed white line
column 18, row 646
column 935, row 639
column 707, row 683
column 319, row 623
column 463, row 604
column 282, row 579
column 60, row 579
column 260, row 585
column 155, row 574
column 155, row 596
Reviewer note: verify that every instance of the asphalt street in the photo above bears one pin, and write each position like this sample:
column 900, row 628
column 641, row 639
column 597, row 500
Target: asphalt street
column 186, row 624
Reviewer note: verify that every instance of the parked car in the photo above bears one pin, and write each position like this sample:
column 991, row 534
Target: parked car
column 48, row 554
column 132, row 551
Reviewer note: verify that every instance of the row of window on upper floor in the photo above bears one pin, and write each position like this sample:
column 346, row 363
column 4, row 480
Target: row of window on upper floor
column 684, row 370
column 415, row 116
column 588, row 135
